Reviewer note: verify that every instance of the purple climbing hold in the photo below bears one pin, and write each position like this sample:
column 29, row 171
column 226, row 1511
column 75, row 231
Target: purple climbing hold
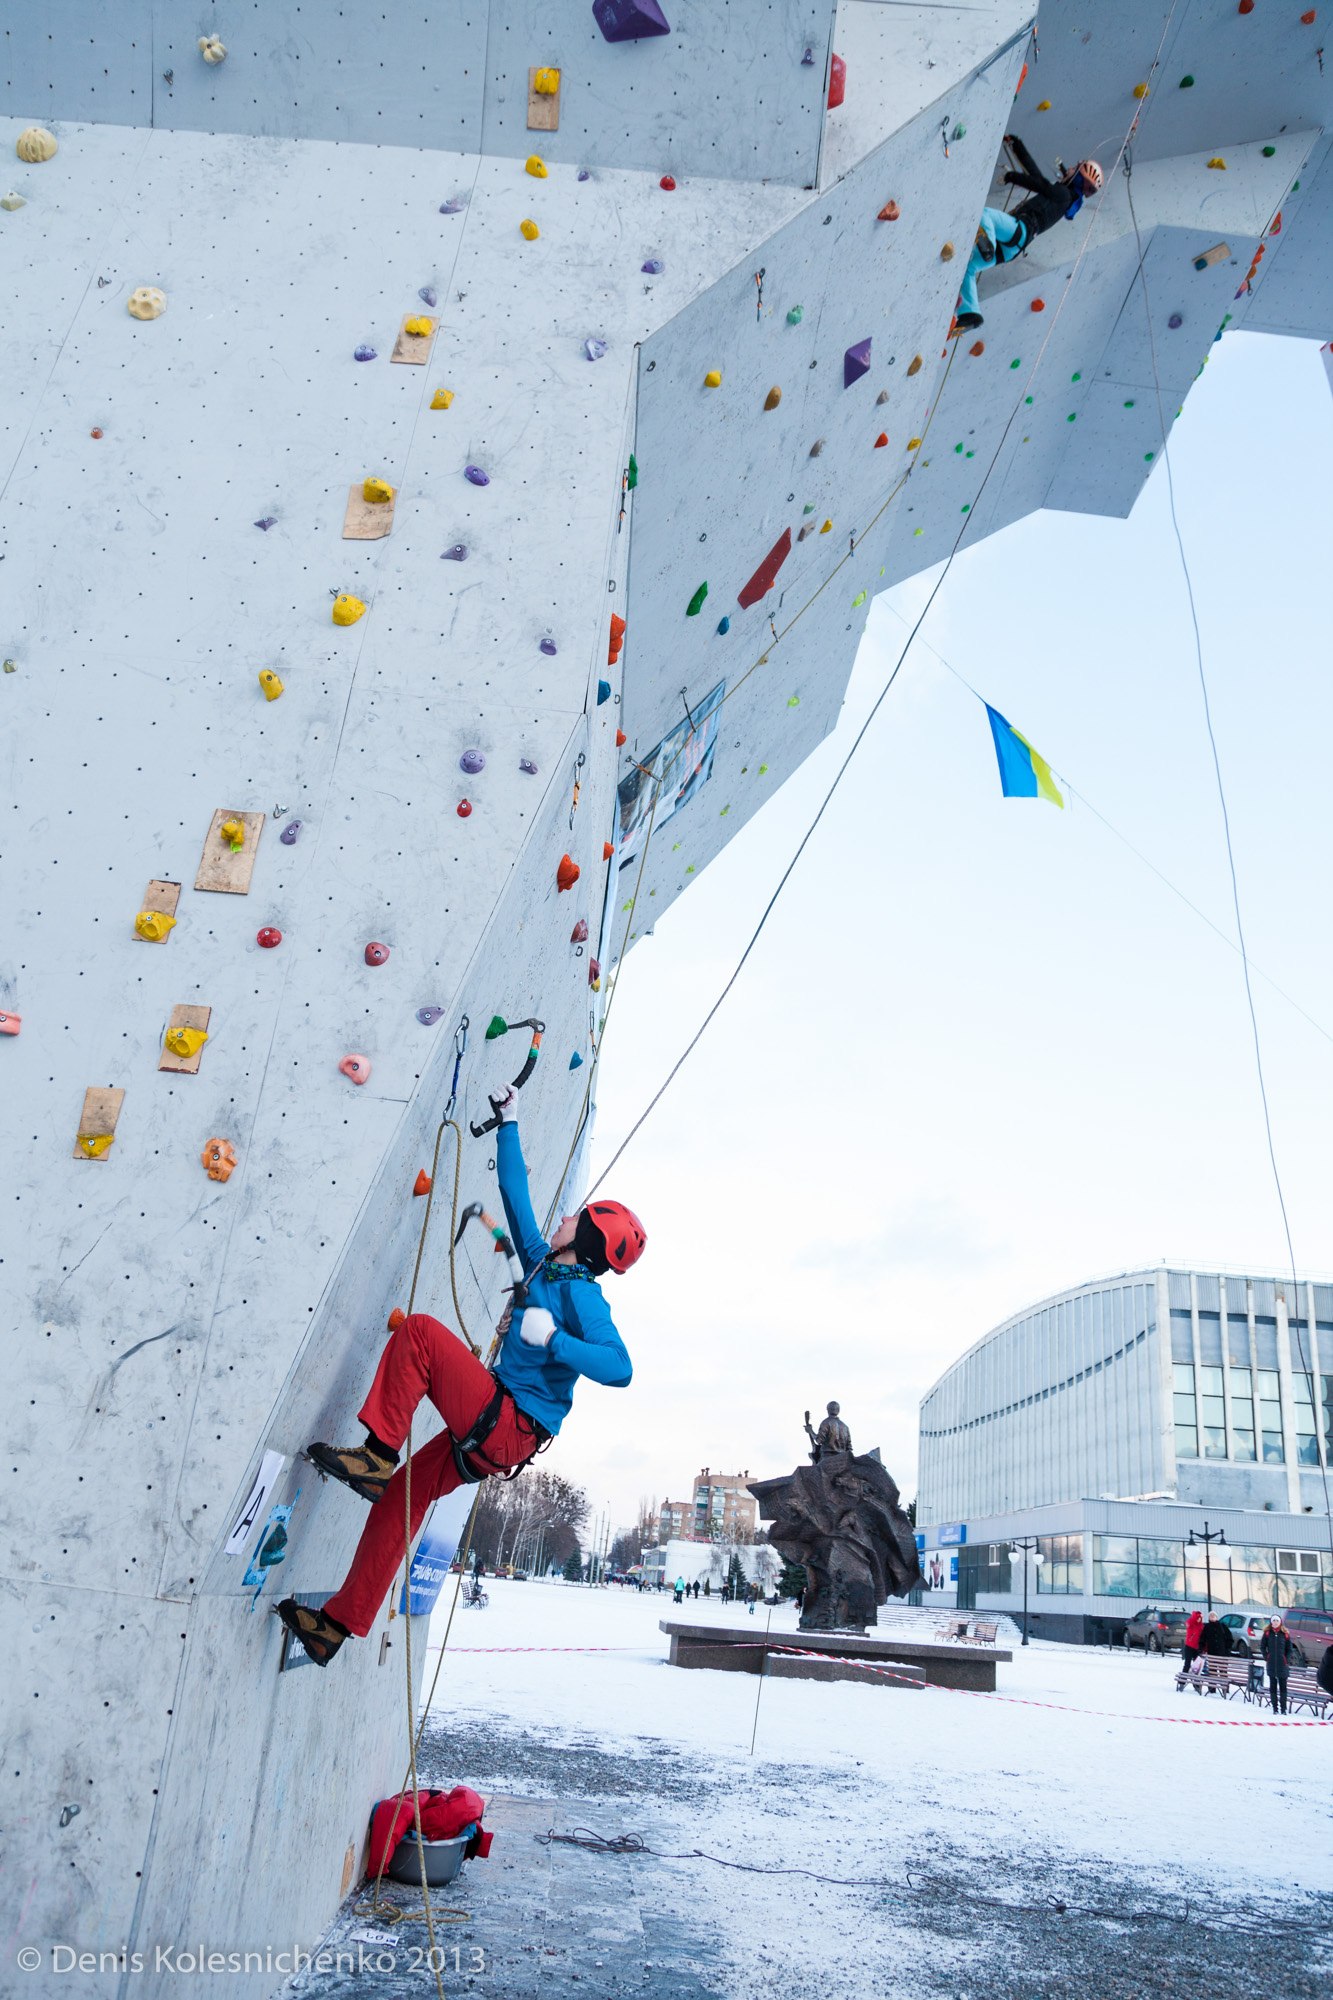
column 291, row 833
column 476, row 475
column 855, row 363
column 629, row 20
column 584, row 175
column 451, row 207
column 653, row 266
column 428, row 295
column 808, row 59
column 428, row 1016
column 594, row 347
column 458, row 553
column 364, row 353
column 1175, row 320
column 269, row 521
column 526, row 765
column 548, row 646
column 472, row 761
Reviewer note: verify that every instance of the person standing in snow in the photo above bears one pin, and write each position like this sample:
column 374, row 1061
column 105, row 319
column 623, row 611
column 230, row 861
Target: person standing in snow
column 495, row 1421
column 1277, row 1648
column 1002, row 237
column 1193, row 1638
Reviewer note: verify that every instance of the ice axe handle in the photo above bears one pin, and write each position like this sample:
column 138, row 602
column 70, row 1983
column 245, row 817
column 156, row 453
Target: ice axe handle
column 492, row 1123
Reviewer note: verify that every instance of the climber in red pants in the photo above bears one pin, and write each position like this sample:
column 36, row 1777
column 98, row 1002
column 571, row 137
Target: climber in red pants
column 494, row 1422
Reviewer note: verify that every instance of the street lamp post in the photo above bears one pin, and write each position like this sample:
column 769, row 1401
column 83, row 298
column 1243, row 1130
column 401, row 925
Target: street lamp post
column 1205, row 1539
column 1021, row 1549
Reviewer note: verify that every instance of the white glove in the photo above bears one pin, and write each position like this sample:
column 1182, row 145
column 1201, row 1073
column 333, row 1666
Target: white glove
column 505, row 1101
column 536, row 1326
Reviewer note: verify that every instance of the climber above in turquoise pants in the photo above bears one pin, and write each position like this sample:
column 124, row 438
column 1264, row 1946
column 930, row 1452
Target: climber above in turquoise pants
column 999, row 237
column 1002, row 237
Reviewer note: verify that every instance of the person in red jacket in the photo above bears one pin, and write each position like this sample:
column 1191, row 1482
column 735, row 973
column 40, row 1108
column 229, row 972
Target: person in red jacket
column 1193, row 1637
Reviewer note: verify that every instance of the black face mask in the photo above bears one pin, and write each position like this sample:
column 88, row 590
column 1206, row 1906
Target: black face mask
column 589, row 1247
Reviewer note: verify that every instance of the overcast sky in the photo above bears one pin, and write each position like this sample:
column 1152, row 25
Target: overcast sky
column 981, row 1053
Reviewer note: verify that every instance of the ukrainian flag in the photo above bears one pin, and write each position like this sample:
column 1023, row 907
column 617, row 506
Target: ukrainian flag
column 1023, row 774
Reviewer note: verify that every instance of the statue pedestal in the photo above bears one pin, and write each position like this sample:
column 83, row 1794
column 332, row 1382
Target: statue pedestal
column 740, row 1649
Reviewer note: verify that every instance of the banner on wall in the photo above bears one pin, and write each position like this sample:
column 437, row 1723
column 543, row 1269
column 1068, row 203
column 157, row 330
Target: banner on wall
column 435, row 1551
column 680, row 766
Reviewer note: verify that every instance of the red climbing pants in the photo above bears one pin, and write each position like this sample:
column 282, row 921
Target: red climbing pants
column 423, row 1358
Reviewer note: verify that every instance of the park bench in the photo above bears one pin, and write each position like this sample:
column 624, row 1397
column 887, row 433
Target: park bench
column 953, row 1628
column 1227, row 1676
column 1221, row 1675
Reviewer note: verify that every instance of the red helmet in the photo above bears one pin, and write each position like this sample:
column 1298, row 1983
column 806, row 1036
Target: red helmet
column 621, row 1231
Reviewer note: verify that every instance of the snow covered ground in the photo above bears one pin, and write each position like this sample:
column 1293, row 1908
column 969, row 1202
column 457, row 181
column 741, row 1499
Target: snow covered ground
column 959, row 1820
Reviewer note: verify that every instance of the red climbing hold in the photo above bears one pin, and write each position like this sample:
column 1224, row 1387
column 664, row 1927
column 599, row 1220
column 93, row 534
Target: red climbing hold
column 977, row 347
column 889, row 213
column 1038, row 305
column 766, row 574
column 423, row 1183
column 464, row 808
column 1245, row 7
column 567, row 874
column 607, row 850
column 881, row 441
column 1308, row 19
column 579, row 934
column 621, row 739
column 268, row 937
column 95, row 433
column 837, row 82
column 667, row 184
column 617, row 639
column 377, row 954
column 396, row 1318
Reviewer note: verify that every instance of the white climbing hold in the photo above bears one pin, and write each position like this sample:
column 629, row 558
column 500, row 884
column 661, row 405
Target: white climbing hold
column 212, row 50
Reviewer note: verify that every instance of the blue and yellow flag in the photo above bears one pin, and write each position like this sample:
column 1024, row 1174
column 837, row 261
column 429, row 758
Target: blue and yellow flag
column 1023, row 774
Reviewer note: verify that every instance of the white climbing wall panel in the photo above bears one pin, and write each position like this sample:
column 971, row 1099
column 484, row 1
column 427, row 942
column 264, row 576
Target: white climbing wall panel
column 174, row 495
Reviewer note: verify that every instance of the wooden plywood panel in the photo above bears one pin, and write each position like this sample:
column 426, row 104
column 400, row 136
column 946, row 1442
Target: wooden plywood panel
column 543, row 111
column 367, row 520
column 414, row 347
column 219, row 868
column 97, row 1120
column 162, row 897
column 185, row 1017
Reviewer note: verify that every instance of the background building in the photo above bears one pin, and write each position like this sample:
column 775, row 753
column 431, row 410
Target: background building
column 723, row 1510
column 675, row 1521
column 1111, row 1421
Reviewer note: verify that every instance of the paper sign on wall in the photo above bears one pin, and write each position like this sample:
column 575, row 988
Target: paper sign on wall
column 266, row 1480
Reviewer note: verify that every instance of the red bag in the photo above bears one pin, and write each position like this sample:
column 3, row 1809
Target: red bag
column 444, row 1815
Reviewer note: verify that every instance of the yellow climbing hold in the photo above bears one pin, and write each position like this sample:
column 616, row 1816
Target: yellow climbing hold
column 826, row 528
column 1219, row 163
column 1045, row 104
column 154, row 926
column 546, row 82
column 233, row 832
column 859, row 599
column 420, row 325
column 36, row 145
column 1140, row 91
column 713, row 379
column 347, row 609
column 270, row 683
column 376, row 492
column 534, row 166
column 96, row 1144
column 914, row 365
column 146, row 302
column 185, row 1042
column 442, row 399
column 529, row 229
column 946, row 252
column 773, row 398
column 914, row 444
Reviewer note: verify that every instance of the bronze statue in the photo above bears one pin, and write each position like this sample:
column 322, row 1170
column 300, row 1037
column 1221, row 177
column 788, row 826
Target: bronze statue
column 841, row 1519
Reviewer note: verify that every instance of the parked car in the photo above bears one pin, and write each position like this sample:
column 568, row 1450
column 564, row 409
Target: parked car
column 1311, row 1633
column 1246, row 1629
column 1157, row 1631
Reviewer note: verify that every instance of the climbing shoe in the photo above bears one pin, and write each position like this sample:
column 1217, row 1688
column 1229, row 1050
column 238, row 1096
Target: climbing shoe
column 964, row 322
column 359, row 1466
column 321, row 1636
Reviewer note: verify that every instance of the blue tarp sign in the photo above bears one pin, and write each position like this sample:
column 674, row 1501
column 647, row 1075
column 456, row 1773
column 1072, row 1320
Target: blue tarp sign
column 953, row 1535
column 435, row 1551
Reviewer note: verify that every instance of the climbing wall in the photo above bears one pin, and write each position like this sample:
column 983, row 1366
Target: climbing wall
column 651, row 365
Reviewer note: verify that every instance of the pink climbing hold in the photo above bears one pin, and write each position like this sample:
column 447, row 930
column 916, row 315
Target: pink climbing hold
column 377, row 954
column 837, row 82
column 765, row 576
column 356, row 1068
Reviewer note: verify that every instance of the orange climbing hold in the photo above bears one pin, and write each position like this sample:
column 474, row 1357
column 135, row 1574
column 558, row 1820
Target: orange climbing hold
column 218, row 1159
column 889, row 213
column 423, row 1183
column 914, row 365
column 621, row 739
column 1308, row 18
column 881, row 441
column 567, row 874
column 617, row 639
column 396, row 1318
column 607, row 850
column 977, row 347
column 773, row 398
column 837, row 82
column 1039, row 305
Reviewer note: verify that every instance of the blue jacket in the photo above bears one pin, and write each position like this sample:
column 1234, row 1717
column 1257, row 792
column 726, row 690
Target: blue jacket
column 585, row 1342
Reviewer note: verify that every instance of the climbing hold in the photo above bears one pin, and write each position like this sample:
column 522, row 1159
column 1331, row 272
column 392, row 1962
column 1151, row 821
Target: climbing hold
column 154, row 926
column 1141, row 91
column 946, row 253
column 795, row 315
column 576, row 1060
column 1077, row 375
column 291, row 833
column 363, row 353
column 607, row 850
column 428, row 295
column 452, row 207
column 456, row 553
column 376, row 492
column 464, row 808
column 442, row 399
column 881, row 440
column 889, row 213
column 347, row 609
column 96, row 1145
column 356, row 1068
column 528, row 228
column 567, row 874
column 882, row 397
column 1245, row 7
column 535, row 166
column 837, row 82
column 827, row 528
column 218, row 1159
column 1218, row 163
column 1045, row 104
column 12, row 201
column 498, row 1026
column 546, row 82
column 808, row 529
column 36, row 145
column 233, row 832
column 856, row 362
column 594, row 347
column 764, row 577
column 269, row 938
column 423, row 1182
column 395, row 1319
column 212, row 50
column 808, row 59
column 632, row 474
column 1186, row 83
column 472, row 761
column 959, row 132
column 763, row 770
column 579, row 934
column 419, row 326
column 528, row 768
column 653, row 266
column 713, row 379
column 914, row 444
column 270, row 683
column 793, row 701
column 629, row 20
column 858, row 600
column 696, row 603
column 723, row 626
column 269, row 520
column 594, row 975
column 1072, row 417
column 977, row 347
column 667, row 183
column 1016, row 363
column 1175, row 320
column 475, row 476
column 428, row 1016
column 914, row 365
column 146, row 302
column 1308, row 18
column 817, row 447
column 603, row 692
column 1037, row 305
column 376, row 954
column 1269, row 151
column 1129, row 403
column 184, row 1042
column 617, row 638
column 621, row 739
column 773, row 398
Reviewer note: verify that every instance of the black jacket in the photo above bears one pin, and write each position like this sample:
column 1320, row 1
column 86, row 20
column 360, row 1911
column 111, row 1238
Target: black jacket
column 1216, row 1638
column 1277, row 1649
column 1048, row 202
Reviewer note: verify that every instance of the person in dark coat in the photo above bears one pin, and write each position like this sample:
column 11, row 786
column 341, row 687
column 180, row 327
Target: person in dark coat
column 1278, row 1651
column 1216, row 1638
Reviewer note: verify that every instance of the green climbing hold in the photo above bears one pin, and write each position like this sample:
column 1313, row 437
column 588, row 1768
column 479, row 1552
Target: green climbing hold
column 858, row 600
column 1294, row 186
column 958, row 447
column 967, row 509
column 725, row 810
column 1269, row 152
column 1077, row 375
column 499, row 1026
column 794, row 701
column 1129, row 402
column 795, row 316
column 1148, row 455
column 690, row 869
column 1015, row 364
column 633, row 479
column 1027, row 399
column 971, row 454
column 696, row 603
column 763, row 769
column 1187, row 83
column 1071, row 418
column 959, row 132
column 810, row 509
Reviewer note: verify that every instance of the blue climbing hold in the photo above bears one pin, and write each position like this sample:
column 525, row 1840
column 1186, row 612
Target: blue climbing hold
column 364, row 353
column 428, row 295
column 458, row 553
column 603, row 692
column 723, row 625
column 594, row 347
column 576, row 1060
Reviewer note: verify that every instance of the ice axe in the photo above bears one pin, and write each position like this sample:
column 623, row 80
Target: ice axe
column 474, row 1212
column 499, row 1026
